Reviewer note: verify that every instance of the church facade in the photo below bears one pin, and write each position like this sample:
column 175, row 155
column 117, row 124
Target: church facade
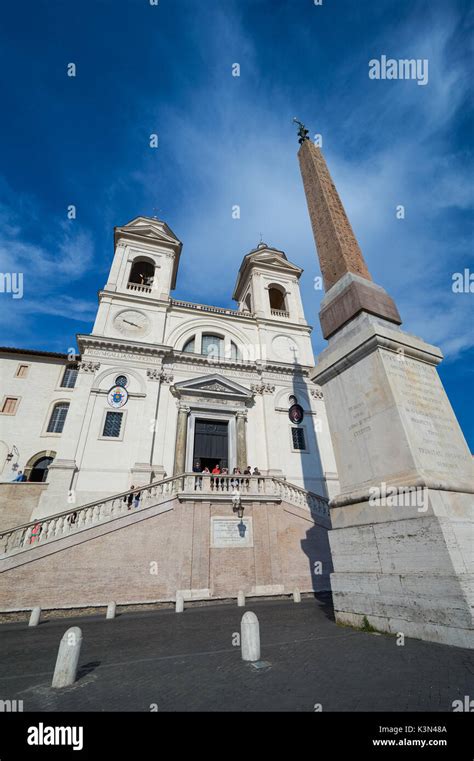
column 163, row 387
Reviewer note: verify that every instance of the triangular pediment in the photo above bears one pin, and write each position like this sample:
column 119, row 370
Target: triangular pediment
column 214, row 385
column 274, row 259
column 149, row 227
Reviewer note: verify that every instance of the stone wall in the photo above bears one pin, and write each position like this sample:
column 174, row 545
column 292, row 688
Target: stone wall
column 145, row 556
column 17, row 502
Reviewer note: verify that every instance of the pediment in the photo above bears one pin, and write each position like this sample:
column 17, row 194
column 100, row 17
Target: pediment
column 214, row 385
column 149, row 227
column 273, row 259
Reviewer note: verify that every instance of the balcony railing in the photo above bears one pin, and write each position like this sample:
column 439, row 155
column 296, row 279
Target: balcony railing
column 209, row 308
column 279, row 313
column 41, row 530
column 139, row 288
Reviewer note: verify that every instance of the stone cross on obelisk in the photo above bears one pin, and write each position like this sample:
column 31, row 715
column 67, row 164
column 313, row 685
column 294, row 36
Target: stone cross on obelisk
column 402, row 529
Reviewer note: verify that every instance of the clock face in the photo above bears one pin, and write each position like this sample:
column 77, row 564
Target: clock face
column 286, row 348
column 132, row 323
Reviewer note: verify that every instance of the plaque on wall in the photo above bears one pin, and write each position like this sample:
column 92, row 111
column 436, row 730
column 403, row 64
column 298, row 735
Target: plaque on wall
column 231, row 532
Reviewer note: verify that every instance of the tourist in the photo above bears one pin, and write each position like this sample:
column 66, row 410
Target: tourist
column 136, row 499
column 72, row 518
column 197, row 468
column 256, row 472
column 35, row 532
column 235, row 481
column 247, row 472
column 20, row 476
column 215, row 472
column 206, row 471
column 128, row 498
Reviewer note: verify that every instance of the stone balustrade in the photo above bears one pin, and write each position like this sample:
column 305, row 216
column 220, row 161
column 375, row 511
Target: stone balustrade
column 187, row 485
column 139, row 288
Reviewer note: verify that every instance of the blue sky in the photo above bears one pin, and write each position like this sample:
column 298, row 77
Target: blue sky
column 225, row 140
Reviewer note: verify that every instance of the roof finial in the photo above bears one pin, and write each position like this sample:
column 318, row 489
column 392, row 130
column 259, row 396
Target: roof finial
column 303, row 133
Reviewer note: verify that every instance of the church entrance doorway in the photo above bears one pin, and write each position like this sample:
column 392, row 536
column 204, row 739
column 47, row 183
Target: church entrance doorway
column 211, row 443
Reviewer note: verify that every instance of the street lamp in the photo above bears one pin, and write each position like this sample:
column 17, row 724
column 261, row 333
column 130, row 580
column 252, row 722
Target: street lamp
column 237, row 506
column 12, row 453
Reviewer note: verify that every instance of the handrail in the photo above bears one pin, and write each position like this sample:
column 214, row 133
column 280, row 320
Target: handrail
column 50, row 527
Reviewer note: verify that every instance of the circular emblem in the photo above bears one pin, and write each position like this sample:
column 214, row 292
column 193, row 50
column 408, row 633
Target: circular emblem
column 296, row 413
column 117, row 396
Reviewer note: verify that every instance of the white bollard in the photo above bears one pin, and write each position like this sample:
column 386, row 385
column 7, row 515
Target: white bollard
column 68, row 658
column 241, row 599
column 179, row 602
column 35, row 617
column 250, row 637
column 297, row 595
column 111, row 609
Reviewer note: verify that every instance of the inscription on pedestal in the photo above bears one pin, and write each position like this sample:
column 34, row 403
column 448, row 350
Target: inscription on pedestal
column 435, row 435
column 231, row 532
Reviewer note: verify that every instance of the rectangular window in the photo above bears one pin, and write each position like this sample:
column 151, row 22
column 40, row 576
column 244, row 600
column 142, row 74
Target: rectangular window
column 112, row 425
column 22, row 371
column 58, row 418
column 298, row 438
column 9, row 405
column 69, row 377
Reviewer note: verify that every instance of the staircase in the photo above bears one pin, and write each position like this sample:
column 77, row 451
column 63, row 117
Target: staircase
column 193, row 486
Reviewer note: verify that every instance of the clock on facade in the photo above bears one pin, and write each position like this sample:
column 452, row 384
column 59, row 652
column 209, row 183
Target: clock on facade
column 285, row 348
column 132, row 323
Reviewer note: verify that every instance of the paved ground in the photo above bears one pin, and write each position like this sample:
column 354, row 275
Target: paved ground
column 187, row 662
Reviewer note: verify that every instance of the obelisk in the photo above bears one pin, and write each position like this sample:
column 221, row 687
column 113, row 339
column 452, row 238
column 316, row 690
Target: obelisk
column 402, row 537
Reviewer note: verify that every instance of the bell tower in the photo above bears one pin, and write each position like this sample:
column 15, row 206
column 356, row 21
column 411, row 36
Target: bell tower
column 142, row 275
column 267, row 286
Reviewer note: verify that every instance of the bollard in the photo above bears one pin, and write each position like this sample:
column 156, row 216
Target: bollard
column 35, row 617
column 297, row 595
column 179, row 602
column 241, row 599
column 250, row 637
column 111, row 609
column 68, row 658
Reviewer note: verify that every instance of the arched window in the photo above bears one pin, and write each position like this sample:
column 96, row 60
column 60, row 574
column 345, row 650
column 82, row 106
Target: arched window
column 189, row 345
column 69, row 376
column 36, row 469
column 39, row 471
column 234, row 351
column 142, row 272
column 276, row 296
column 212, row 346
column 248, row 302
column 58, row 417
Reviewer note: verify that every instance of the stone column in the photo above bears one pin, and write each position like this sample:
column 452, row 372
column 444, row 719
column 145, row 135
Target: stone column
column 145, row 468
column 181, row 436
column 241, row 440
